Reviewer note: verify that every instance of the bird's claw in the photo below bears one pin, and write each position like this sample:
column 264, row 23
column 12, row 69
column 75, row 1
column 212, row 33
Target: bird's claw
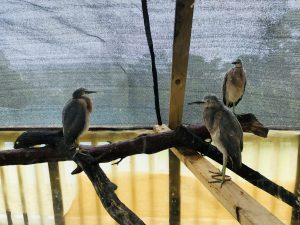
column 217, row 174
column 219, row 180
column 73, row 147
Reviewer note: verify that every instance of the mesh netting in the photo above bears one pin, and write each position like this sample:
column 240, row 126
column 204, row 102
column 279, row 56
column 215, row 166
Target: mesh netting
column 50, row 48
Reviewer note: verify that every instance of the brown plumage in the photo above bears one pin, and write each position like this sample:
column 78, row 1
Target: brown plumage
column 234, row 85
column 76, row 115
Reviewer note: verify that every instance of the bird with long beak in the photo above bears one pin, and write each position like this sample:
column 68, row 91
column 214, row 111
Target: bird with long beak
column 76, row 116
column 225, row 131
column 234, row 85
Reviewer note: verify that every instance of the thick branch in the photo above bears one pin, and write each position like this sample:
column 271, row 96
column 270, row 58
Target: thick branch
column 32, row 138
column 106, row 191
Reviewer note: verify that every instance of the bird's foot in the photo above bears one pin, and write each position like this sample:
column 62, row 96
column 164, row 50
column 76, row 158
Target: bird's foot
column 217, row 174
column 221, row 180
column 73, row 147
column 80, row 150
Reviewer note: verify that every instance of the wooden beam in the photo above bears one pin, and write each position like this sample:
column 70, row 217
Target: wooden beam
column 235, row 200
column 181, row 45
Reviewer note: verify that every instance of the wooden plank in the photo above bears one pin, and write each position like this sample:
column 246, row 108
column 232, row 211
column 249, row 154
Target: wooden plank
column 245, row 209
column 181, row 44
column 239, row 204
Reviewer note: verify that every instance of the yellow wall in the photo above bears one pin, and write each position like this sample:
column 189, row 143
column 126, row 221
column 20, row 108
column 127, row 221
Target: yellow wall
column 143, row 185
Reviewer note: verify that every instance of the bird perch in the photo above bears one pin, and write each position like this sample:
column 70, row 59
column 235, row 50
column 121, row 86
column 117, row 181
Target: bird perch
column 148, row 144
column 106, row 191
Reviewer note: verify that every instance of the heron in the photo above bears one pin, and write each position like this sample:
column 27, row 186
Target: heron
column 234, row 85
column 225, row 131
column 76, row 116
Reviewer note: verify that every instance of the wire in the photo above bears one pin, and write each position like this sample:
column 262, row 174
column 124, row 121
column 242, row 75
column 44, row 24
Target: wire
column 154, row 71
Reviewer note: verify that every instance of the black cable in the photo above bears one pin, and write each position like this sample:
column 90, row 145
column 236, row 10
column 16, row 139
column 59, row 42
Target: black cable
column 154, row 71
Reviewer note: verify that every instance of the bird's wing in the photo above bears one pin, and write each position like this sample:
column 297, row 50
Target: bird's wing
column 243, row 90
column 229, row 73
column 224, row 88
column 73, row 119
column 231, row 136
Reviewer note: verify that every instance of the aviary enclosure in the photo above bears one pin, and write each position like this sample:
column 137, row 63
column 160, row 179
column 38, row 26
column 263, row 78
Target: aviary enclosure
column 141, row 126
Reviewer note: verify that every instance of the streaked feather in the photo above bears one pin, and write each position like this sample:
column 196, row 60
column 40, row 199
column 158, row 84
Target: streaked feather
column 231, row 136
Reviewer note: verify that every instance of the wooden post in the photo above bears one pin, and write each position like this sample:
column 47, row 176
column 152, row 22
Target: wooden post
column 4, row 193
column 22, row 195
column 295, row 220
column 181, row 44
column 57, row 200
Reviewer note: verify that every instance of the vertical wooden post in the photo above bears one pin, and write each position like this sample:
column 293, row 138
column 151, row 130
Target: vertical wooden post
column 58, row 208
column 22, row 195
column 181, row 45
column 296, row 212
column 4, row 193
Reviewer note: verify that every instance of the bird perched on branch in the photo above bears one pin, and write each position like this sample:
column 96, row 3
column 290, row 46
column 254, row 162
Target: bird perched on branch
column 234, row 85
column 225, row 131
column 76, row 116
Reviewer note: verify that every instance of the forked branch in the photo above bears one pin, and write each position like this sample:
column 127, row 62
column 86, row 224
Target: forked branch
column 105, row 189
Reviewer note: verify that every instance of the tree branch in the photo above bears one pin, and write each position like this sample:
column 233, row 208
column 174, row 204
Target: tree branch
column 106, row 191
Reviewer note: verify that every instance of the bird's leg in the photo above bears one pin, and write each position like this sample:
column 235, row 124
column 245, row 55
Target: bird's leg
column 79, row 149
column 73, row 147
column 225, row 158
column 221, row 173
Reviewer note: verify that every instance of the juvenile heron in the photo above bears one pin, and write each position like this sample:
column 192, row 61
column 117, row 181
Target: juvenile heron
column 76, row 116
column 225, row 131
column 234, row 85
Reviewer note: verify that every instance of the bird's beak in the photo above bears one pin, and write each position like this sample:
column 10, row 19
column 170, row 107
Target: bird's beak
column 90, row 92
column 197, row 103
